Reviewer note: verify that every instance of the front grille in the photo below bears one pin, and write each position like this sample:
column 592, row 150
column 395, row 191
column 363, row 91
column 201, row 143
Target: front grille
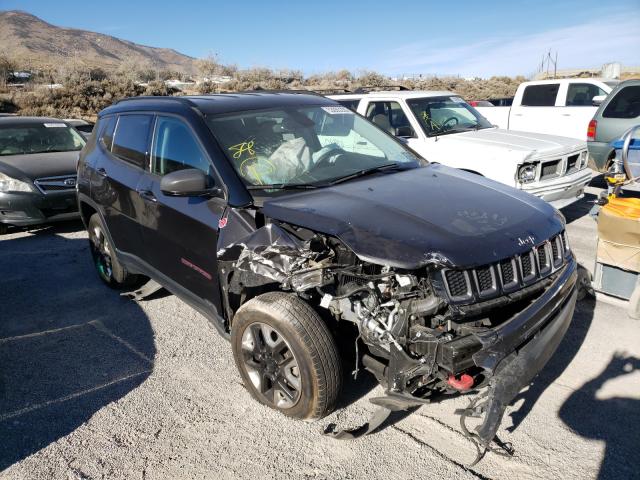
column 457, row 282
column 56, row 184
column 485, row 279
column 573, row 163
column 550, row 169
column 507, row 275
column 508, row 272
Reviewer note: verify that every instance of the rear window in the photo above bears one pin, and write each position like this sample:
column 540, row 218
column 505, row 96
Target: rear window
column 540, row 95
column 626, row 103
column 131, row 138
column 31, row 138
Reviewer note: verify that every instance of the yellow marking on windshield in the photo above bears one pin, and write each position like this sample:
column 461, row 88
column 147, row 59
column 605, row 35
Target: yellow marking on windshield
column 243, row 147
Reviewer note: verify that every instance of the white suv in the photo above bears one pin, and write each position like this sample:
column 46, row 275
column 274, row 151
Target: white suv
column 442, row 127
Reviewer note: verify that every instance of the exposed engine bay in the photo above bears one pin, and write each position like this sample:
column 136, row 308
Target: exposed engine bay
column 427, row 332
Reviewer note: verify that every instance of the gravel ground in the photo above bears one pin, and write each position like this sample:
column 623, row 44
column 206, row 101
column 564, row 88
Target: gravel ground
column 96, row 386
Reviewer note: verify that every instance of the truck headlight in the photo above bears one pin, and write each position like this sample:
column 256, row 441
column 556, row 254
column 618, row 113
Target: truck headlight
column 527, row 173
column 583, row 159
column 10, row 184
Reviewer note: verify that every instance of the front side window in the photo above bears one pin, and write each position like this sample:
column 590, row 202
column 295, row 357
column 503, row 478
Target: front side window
column 131, row 138
column 305, row 145
column 581, row 94
column 540, row 95
column 388, row 115
column 30, row 138
column 444, row 115
column 175, row 148
column 626, row 103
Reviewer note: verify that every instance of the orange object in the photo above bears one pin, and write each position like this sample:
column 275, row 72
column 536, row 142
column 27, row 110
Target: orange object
column 624, row 207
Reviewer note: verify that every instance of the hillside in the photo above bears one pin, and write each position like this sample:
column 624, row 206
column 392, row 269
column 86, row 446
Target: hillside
column 38, row 44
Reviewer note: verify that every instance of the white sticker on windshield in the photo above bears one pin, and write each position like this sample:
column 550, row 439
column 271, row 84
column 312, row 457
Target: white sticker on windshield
column 54, row 125
column 337, row 110
column 457, row 100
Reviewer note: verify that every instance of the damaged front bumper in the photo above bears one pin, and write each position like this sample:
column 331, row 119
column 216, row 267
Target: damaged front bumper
column 516, row 351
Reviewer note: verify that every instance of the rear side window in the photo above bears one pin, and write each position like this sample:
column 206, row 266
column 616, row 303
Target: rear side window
column 107, row 126
column 581, row 94
column 540, row 95
column 131, row 138
column 175, row 148
column 350, row 104
column 626, row 103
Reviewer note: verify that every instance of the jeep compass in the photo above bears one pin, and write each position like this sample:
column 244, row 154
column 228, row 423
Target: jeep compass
column 279, row 216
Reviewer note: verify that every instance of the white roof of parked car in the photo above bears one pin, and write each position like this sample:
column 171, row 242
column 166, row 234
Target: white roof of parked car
column 394, row 93
column 570, row 80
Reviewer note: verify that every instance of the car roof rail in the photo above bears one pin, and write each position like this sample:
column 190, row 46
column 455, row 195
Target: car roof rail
column 332, row 91
column 377, row 88
column 284, row 90
column 180, row 99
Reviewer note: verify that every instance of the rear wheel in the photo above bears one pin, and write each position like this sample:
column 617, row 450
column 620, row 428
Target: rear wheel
column 286, row 355
column 104, row 257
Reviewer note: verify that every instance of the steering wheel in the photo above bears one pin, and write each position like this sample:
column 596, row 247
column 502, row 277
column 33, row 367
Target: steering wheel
column 444, row 124
column 322, row 159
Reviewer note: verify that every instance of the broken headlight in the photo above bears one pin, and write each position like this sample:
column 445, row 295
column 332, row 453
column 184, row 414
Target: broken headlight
column 527, row 173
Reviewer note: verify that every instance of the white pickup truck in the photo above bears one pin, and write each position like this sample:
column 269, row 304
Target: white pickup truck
column 557, row 107
column 442, row 127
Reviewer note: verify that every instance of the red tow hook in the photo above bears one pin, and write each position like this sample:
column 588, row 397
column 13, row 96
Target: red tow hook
column 465, row 382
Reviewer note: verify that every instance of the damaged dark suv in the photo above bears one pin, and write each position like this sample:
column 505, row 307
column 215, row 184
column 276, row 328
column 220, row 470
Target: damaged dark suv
column 280, row 216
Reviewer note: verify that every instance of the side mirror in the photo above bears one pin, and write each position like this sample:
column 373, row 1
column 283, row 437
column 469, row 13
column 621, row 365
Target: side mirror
column 597, row 100
column 405, row 131
column 190, row 182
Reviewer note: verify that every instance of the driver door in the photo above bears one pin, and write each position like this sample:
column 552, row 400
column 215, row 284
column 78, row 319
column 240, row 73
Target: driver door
column 180, row 234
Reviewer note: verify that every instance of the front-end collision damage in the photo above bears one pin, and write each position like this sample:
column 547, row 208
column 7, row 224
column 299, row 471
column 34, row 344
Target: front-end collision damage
column 419, row 343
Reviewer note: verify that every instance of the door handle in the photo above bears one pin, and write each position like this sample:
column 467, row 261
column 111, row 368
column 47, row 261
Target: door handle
column 102, row 172
column 517, row 114
column 566, row 114
column 147, row 195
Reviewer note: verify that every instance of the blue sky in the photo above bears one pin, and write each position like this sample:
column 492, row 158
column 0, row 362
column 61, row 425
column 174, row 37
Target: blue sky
column 469, row 38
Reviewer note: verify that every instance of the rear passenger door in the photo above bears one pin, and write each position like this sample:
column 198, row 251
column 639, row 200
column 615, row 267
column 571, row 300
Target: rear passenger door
column 118, row 170
column 537, row 110
column 180, row 234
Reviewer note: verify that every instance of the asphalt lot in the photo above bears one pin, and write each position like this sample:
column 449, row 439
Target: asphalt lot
column 93, row 385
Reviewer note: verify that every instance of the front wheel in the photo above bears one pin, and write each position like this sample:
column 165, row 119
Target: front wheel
column 286, row 355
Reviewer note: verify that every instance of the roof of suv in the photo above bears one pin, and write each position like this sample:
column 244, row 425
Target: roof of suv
column 394, row 93
column 17, row 119
column 222, row 102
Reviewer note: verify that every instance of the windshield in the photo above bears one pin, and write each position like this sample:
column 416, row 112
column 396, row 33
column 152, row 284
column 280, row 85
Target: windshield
column 310, row 145
column 443, row 115
column 38, row 138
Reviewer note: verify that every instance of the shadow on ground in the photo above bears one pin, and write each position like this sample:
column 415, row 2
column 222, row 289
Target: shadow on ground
column 613, row 421
column 568, row 348
column 68, row 344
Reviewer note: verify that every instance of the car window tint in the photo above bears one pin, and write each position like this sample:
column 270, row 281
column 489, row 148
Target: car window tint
column 581, row 94
column 107, row 126
column 132, row 134
column 540, row 95
column 175, row 148
column 387, row 115
column 626, row 103
column 350, row 104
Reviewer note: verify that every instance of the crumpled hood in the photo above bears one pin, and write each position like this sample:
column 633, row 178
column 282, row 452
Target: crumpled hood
column 525, row 142
column 426, row 215
column 38, row 165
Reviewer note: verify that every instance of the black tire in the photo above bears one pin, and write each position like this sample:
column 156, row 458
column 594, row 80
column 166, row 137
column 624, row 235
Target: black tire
column 306, row 338
column 109, row 269
column 4, row 228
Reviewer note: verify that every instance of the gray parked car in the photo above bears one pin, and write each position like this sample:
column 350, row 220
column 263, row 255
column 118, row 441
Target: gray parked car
column 618, row 113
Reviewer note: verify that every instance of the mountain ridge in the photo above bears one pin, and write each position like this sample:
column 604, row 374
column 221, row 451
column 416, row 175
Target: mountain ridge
column 38, row 44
